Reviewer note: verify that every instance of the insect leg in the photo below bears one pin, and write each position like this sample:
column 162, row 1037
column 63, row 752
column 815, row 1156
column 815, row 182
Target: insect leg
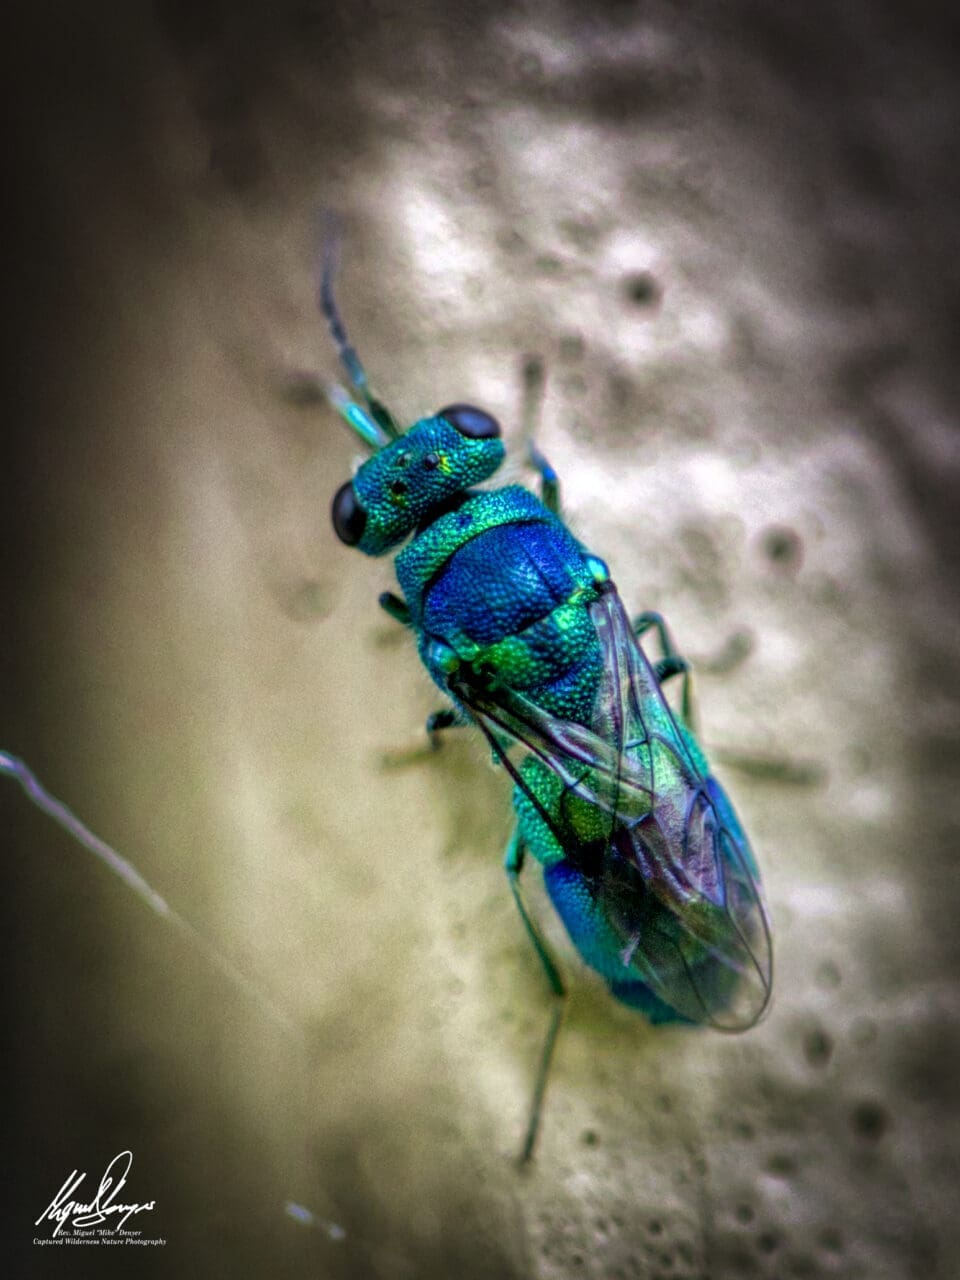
column 674, row 665
column 513, row 864
column 437, row 721
column 643, row 622
column 671, row 664
column 532, row 402
column 397, row 608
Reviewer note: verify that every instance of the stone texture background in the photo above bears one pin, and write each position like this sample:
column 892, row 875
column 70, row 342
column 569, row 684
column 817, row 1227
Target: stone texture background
column 732, row 232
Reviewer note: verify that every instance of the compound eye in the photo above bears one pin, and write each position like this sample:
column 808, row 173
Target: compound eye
column 349, row 518
column 473, row 423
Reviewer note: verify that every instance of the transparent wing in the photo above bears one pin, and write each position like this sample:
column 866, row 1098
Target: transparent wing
column 675, row 878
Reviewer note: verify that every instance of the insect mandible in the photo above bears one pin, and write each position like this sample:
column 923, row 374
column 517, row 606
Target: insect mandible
column 523, row 630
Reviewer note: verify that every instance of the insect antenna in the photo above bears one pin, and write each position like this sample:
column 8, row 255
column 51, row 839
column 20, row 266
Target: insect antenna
column 534, row 380
column 375, row 424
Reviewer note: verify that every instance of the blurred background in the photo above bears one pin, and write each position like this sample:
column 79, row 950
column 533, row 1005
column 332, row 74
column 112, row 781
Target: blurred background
column 732, row 234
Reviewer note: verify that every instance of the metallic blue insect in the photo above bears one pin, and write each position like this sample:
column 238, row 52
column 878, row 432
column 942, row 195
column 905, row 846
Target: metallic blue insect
column 523, row 630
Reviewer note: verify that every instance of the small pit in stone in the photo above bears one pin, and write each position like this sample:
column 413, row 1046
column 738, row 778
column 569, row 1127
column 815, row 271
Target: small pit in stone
column 642, row 289
column 869, row 1120
column 782, row 547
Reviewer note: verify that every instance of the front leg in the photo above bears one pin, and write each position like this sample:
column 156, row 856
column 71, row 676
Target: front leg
column 397, row 608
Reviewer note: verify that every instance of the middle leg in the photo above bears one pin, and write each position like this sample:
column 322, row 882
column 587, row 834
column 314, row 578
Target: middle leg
column 672, row 663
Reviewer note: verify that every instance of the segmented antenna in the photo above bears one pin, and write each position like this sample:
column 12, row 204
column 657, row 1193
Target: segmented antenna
column 375, row 425
column 533, row 384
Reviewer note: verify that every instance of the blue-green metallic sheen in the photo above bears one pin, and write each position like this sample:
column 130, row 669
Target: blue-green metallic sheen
column 643, row 856
column 523, row 630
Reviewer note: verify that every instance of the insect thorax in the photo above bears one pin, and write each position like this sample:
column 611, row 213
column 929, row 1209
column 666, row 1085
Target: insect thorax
column 504, row 585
